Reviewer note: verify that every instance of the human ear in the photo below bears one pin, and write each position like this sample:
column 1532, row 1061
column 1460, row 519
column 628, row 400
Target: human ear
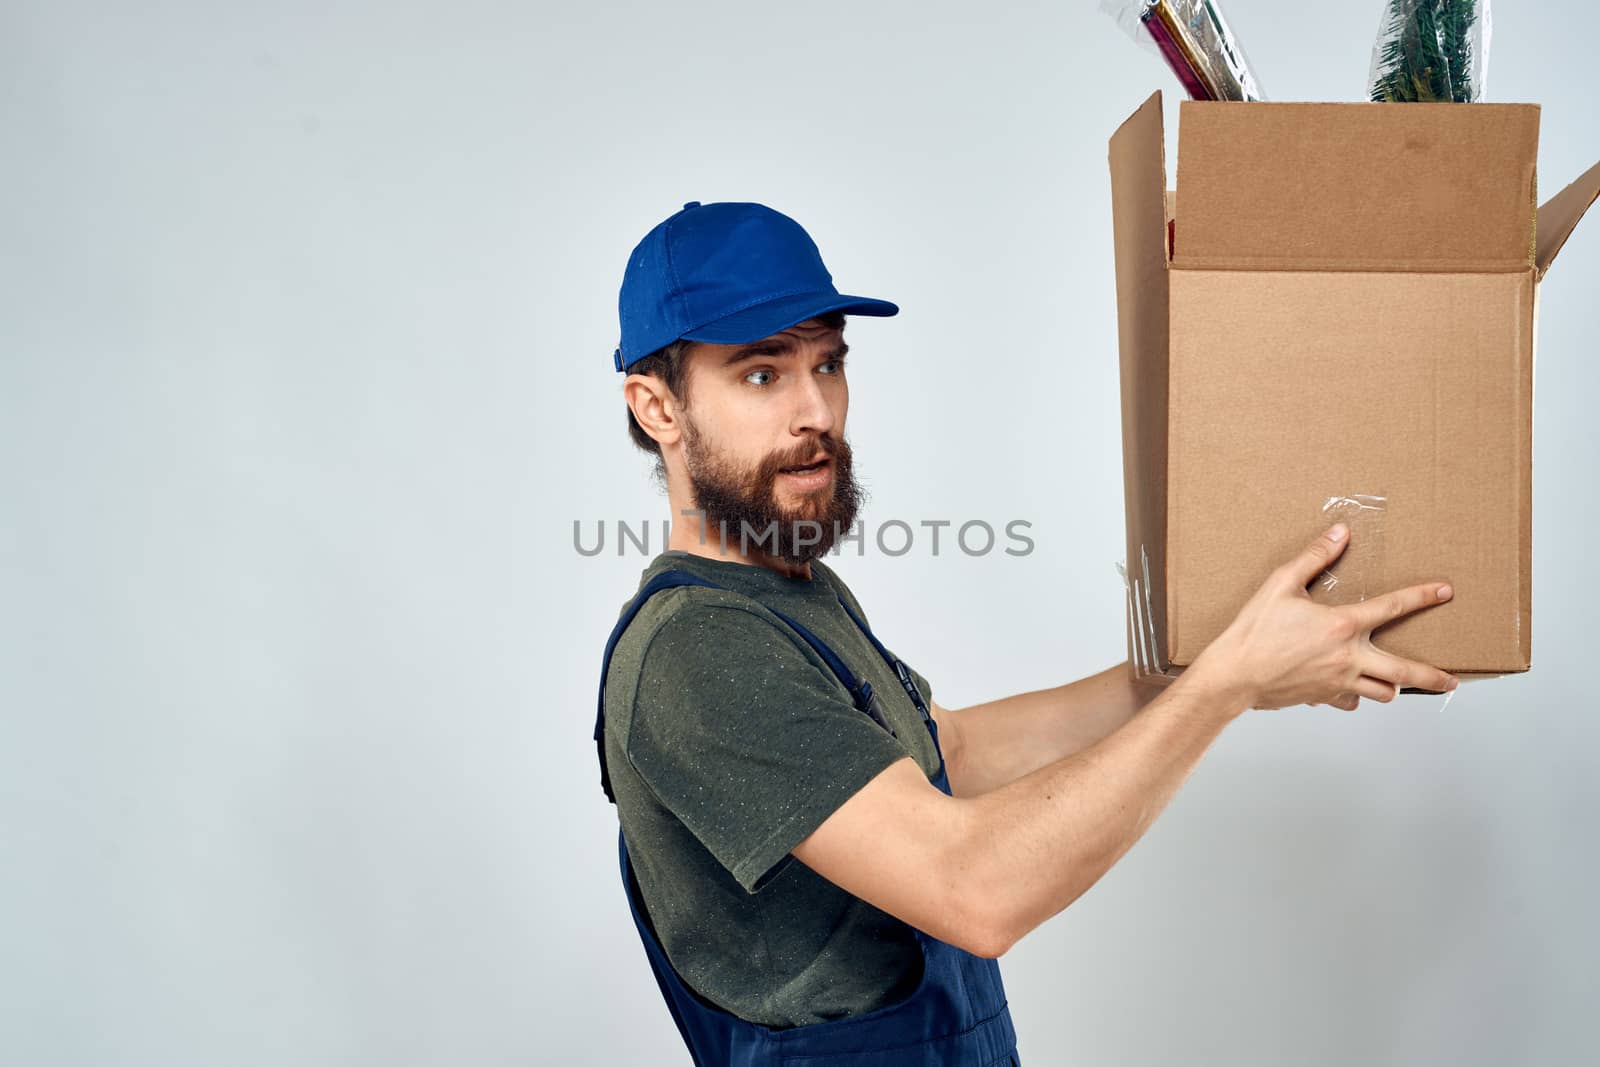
column 653, row 406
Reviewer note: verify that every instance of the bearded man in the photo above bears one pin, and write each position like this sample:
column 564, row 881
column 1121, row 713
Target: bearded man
column 822, row 863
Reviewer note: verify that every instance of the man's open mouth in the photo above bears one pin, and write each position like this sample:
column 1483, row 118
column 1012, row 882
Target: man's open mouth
column 805, row 468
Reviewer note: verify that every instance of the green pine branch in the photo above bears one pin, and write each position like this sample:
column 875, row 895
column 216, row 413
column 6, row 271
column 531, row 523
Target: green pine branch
column 1426, row 53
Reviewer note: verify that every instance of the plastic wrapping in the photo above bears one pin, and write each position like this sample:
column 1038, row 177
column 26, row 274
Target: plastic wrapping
column 1431, row 51
column 1146, row 661
column 1357, row 579
column 1196, row 42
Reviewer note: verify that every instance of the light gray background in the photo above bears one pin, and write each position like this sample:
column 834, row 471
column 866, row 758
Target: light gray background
column 306, row 313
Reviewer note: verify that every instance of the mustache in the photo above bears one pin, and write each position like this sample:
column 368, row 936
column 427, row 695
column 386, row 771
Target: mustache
column 735, row 496
column 827, row 444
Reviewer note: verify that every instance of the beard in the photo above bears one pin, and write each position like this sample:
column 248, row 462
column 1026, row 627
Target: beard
column 741, row 502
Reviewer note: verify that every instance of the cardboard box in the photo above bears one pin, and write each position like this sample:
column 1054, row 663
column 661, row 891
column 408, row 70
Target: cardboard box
column 1332, row 319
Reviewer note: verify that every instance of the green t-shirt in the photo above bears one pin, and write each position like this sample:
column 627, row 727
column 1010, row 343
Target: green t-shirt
column 729, row 741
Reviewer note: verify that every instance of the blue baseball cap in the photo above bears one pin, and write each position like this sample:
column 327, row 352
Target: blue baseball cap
column 727, row 274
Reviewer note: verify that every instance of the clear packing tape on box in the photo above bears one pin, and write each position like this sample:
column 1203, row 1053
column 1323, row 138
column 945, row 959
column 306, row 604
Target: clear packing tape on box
column 1362, row 513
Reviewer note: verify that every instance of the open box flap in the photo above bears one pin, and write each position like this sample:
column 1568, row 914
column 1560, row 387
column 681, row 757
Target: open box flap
column 1385, row 187
column 1138, row 157
column 1139, row 225
column 1560, row 214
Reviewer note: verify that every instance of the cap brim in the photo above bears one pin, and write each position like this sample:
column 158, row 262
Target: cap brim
column 775, row 316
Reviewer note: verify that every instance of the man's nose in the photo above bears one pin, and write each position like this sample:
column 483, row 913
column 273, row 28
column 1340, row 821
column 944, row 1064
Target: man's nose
column 812, row 412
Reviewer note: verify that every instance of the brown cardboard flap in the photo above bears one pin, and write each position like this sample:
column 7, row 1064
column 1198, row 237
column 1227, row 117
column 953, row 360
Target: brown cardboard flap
column 1139, row 202
column 1560, row 214
column 1372, row 187
column 1139, row 225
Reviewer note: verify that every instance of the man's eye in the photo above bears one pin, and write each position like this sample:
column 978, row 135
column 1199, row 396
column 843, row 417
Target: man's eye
column 833, row 366
column 759, row 377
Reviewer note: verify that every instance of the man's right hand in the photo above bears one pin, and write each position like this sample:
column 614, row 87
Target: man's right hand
column 1285, row 649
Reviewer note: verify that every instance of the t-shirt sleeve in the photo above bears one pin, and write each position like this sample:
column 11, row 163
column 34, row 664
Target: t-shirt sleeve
column 747, row 737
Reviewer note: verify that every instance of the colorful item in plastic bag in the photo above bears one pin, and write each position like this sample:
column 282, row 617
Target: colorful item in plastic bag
column 1196, row 42
column 1431, row 51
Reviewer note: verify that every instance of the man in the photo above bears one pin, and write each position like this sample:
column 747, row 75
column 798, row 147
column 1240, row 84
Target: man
column 823, row 863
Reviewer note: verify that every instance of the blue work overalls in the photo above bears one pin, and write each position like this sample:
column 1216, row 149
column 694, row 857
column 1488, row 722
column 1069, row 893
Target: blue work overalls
column 957, row 1017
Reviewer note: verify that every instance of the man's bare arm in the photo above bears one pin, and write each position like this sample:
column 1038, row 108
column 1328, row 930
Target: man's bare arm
column 989, row 868
column 990, row 745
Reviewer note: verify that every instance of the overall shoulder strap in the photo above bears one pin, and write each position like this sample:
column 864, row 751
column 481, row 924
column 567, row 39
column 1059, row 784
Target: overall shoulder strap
column 901, row 671
column 894, row 661
column 860, row 689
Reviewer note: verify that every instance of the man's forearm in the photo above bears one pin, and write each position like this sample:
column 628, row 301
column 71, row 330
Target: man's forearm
column 993, row 744
column 1036, row 845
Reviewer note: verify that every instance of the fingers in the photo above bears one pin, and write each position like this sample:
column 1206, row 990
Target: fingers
column 1375, row 689
column 1317, row 556
column 1382, row 669
column 1371, row 614
column 1370, row 688
column 1405, row 673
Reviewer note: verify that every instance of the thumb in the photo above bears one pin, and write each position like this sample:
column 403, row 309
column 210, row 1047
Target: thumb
column 1318, row 555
